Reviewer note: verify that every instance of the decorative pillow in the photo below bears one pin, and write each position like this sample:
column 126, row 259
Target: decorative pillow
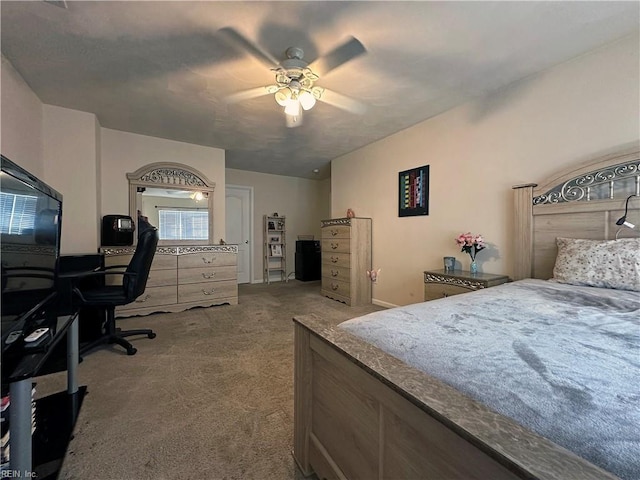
column 599, row 263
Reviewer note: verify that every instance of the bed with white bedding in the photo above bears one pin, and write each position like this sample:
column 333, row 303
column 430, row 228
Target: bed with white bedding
column 572, row 355
column 532, row 379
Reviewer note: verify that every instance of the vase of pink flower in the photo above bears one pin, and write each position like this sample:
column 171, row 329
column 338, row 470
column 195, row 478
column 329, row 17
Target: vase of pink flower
column 471, row 244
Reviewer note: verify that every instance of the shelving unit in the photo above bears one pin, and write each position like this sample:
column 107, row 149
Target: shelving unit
column 274, row 248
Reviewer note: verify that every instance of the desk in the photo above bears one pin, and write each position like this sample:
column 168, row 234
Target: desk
column 73, row 270
column 21, row 380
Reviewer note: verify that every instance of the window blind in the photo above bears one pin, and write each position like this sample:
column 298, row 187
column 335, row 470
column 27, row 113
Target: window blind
column 183, row 224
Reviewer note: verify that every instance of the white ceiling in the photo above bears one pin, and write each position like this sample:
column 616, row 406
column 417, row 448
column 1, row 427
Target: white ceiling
column 163, row 68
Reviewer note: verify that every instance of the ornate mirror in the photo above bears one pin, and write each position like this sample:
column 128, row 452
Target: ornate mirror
column 176, row 199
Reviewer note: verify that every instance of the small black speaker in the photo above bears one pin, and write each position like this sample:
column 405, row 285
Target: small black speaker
column 117, row 230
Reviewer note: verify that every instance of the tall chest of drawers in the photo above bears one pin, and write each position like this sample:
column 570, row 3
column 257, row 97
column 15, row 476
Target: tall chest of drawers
column 182, row 277
column 346, row 257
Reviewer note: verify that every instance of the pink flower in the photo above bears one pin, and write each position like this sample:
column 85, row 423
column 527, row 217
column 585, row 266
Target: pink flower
column 470, row 244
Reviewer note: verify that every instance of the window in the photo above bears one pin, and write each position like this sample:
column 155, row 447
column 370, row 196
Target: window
column 17, row 213
column 183, row 224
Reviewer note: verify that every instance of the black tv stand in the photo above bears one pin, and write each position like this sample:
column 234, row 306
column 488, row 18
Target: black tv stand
column 26, row 449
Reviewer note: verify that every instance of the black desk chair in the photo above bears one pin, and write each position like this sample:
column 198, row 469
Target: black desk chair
column 134, row 281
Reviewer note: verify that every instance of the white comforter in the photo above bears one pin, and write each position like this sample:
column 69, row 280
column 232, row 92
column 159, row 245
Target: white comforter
column 561, row 360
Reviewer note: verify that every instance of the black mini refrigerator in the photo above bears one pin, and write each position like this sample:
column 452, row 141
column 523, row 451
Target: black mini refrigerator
column 308, row 260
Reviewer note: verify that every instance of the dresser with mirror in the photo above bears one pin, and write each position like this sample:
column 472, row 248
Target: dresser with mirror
column 188, row 269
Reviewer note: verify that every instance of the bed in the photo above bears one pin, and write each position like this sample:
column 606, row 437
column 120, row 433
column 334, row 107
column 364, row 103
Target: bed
column 376, row 399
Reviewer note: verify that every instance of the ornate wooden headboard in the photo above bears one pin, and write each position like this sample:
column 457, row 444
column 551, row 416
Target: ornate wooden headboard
column 579, row 202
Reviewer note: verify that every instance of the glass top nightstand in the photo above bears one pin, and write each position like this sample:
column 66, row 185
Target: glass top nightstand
column 441, row 283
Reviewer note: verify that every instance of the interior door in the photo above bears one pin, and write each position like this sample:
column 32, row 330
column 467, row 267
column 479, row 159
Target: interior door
column 239, row 210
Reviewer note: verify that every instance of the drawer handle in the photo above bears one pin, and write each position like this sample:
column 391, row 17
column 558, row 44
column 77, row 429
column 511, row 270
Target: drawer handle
column 334, row 245
column 334, row 232
column 210, row 292
column 334, row 286
column 334, row 273
column 209, row 261
column 334, row 259
column 143, row 299
column 209, row 275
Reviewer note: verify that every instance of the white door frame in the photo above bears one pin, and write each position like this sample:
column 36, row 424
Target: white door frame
column 251, row 242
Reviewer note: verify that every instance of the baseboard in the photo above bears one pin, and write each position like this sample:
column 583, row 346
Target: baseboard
column 380, row 303
column 262, row 281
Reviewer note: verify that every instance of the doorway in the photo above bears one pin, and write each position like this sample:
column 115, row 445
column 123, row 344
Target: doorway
column 239, row 223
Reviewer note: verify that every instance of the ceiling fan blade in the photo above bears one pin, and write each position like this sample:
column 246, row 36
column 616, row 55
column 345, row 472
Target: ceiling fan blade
column 342, row 101
column 251, row 93
column 239, row 40
column 349, row 50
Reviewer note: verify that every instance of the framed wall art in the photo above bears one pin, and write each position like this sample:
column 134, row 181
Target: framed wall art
column 413, row 188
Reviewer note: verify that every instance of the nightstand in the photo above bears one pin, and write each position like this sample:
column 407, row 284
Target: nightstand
column 440, row 284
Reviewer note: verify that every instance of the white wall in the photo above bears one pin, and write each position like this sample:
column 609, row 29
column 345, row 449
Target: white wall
column 21, row 139
column 476, row 153
column 123, row 152
column 58, row 146
column 71, row 167
column 303, row 202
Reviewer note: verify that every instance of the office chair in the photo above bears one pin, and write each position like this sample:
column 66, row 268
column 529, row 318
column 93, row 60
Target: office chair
column 134, row 281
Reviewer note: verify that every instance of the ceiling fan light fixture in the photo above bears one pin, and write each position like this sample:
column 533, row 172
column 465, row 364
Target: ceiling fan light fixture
column 292, row 108
column 307, row 100
column 283, row 97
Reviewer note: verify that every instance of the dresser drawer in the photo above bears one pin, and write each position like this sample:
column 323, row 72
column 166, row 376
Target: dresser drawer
column 152, row 297
column 336, row 259
column 206, row 274
column 336, row 273
column 159, row 278
column 160, row 262
column 338, row 287
column 336, row 245
column 164, row 262
column 206, row 259
column 336, row 231
column 433, row 291
column 114, row 260
column 206, row 291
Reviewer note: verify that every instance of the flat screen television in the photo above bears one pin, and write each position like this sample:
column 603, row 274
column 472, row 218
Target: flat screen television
column 30, row 229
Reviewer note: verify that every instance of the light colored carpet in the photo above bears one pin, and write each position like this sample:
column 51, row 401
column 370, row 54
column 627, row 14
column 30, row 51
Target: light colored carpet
column 211, row 397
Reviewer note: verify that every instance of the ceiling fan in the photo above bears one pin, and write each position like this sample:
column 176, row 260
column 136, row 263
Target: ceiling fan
column 294, row 87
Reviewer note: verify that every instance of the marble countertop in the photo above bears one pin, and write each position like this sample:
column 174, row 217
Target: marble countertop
column 517, row 448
